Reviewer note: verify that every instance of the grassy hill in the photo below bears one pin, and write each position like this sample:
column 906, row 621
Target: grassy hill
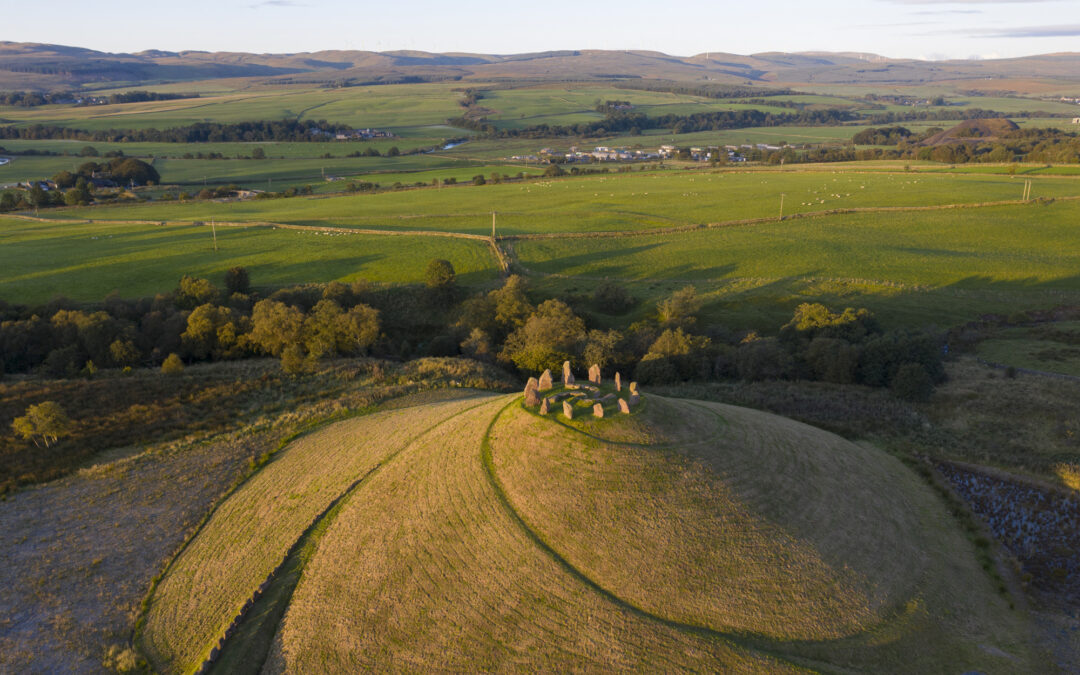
column 41, row 66
column 478, row 535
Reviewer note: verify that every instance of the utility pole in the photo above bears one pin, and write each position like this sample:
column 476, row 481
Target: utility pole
column 213, row 228
column 493, row 226
column 782, row 195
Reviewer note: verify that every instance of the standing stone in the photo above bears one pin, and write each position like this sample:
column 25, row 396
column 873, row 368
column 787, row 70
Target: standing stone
column 545, row 381
column 598, row 410
column 633, row 400
column 544, row 408
column 567, row 375
column 618, row 382
column 568, row 410
column 594, row 374
column 633, row 388
column 531, row 399
column 624, row 407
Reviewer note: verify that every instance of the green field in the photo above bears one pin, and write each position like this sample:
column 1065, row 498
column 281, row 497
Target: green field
column 616, row 202
column 1050, row 347
column 87, row 262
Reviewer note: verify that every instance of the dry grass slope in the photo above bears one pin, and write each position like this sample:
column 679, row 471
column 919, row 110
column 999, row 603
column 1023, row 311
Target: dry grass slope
column 251, row 531
column 766, row 529
column 424, row 569
column 703, row 537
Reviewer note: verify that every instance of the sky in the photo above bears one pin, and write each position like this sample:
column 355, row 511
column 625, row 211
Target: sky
column 924, row 29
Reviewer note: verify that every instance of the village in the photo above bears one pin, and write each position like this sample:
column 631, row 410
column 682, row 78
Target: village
column 732, row 154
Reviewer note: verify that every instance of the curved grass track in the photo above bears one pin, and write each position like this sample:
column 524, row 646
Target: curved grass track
column 249, row 533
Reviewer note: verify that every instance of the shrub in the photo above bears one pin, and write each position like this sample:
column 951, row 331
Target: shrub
column 172, row 365
column 656, row 369
column 912, row 383
column 612, row 298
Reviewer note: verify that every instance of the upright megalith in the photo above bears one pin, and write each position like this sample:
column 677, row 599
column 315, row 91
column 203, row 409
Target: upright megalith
column 568, row 410
column 545, row 381
column 633, row 389
column 532, row 399
column 598, row 410
column 624, row 407
column 594, row 374
column 567, row 374
column 545, row 408
column 618, row 382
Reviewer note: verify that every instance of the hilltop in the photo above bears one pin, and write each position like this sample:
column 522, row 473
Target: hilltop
column 969, row 130
column 479, row 534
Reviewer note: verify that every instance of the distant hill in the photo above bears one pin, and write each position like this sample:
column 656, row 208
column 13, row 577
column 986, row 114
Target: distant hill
column 51, row 67
column 969, row 130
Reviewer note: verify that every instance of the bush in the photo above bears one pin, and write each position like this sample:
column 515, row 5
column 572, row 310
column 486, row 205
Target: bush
column 439, row 274
column 656, row 369
column 612, row 298
column 912, row 383
column 172, row 365
column 763, row 360
column 237, row 281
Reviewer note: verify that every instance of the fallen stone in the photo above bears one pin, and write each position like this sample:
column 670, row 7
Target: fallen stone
column 545, row 381
column 567, row 374
column 594, row 374
column 624, row 407
column 607, row 397
column 568, row 410
column 598, row 410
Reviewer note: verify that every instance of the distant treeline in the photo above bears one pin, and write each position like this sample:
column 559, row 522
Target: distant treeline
column 31, row 99
column 704, row 90
column 955, row 114
column 201, row 132
column 1022, row 145
column 635, row 122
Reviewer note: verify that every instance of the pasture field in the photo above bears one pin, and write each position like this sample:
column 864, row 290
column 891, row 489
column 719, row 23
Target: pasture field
column 393, row 107
column 87, row 262
column 250, row 532
column 614, row 202
column 915, row 268
column 1051, row 347
column 461, row 550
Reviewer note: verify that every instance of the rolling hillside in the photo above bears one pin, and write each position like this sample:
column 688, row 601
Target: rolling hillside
column 37, row 66
column 478, row 534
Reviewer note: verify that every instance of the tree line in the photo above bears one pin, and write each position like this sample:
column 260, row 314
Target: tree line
column 703, row 90
column 623, row 121
column 200, row 132
column 507, row 326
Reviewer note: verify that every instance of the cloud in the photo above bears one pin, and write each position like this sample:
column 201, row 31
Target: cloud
column 1072, row 30
column 939, row 12
column 277, row 3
